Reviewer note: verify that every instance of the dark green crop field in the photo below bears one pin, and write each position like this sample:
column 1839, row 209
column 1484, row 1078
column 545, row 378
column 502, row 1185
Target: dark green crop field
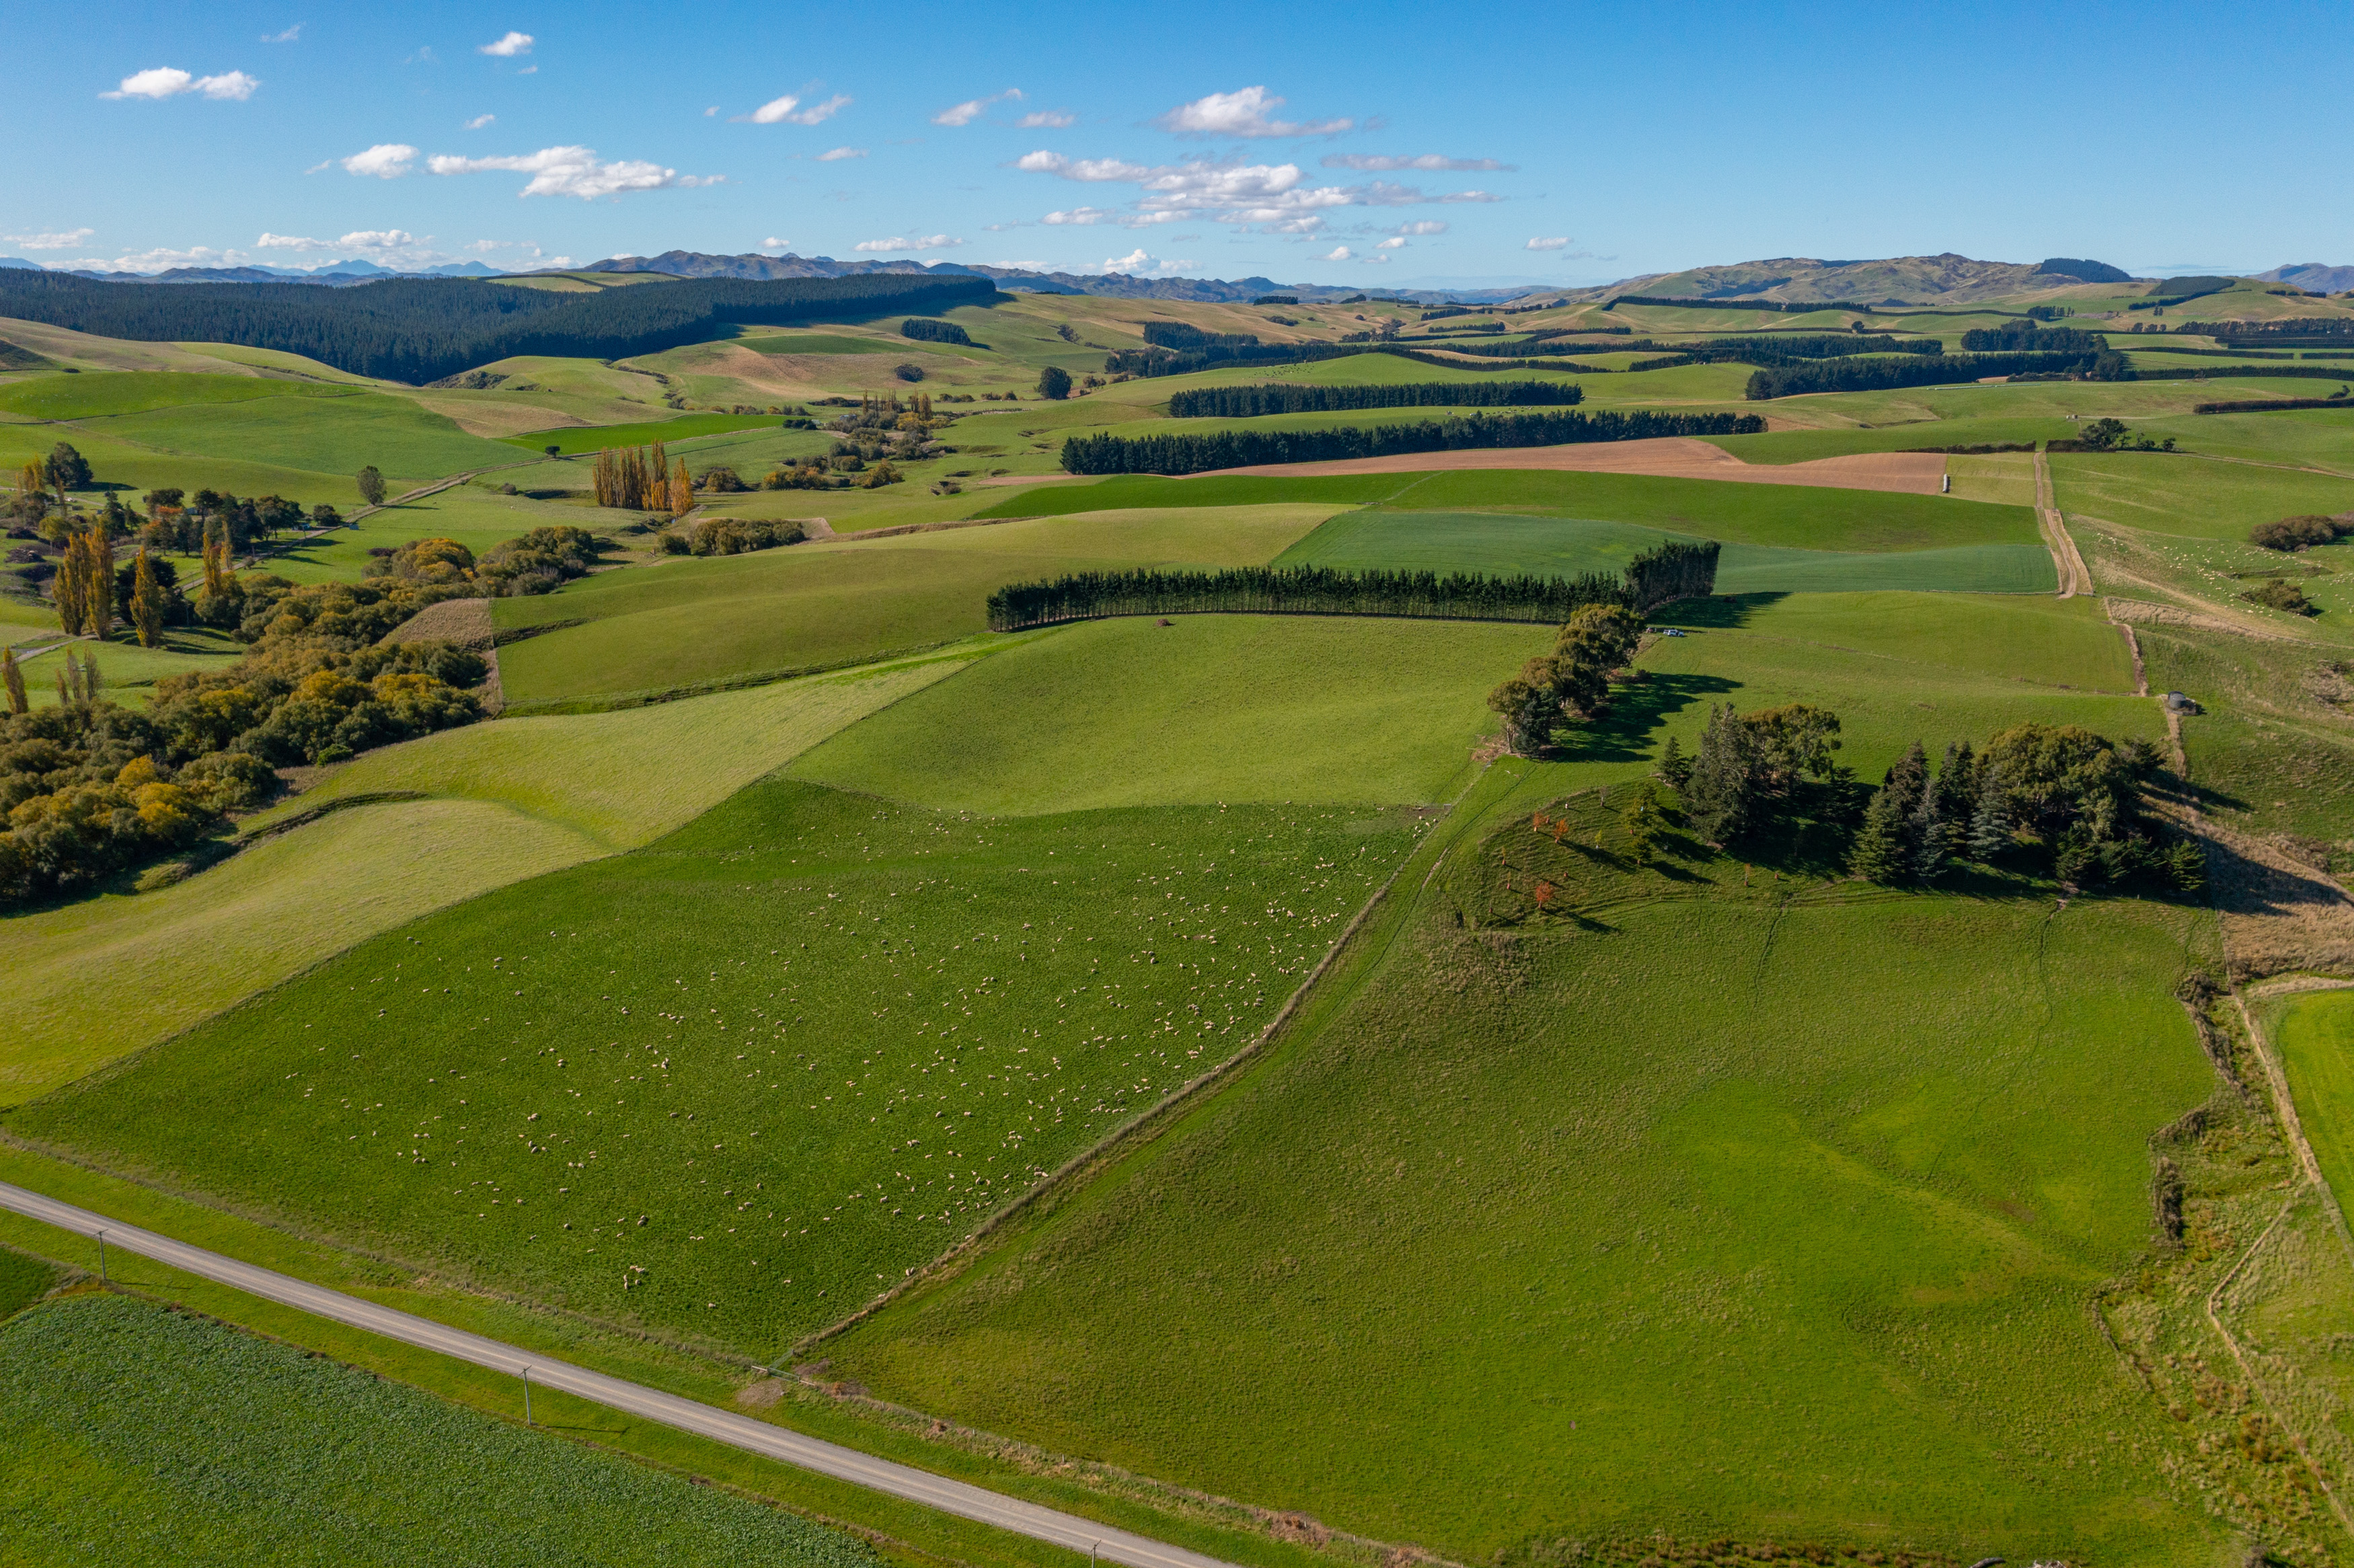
column 135, row 1435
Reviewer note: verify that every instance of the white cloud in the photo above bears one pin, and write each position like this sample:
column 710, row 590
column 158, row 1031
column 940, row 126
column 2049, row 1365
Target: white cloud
column 1559, row 242
column 787, row 110
column 381, row 242
column 1080, row 215
column 972, row 109
column 1391, row 243
column 1136, row 262
column 839, row 153
column 514, row 44
column 479, row 121
column 1337, row 253
column 57, row 241
column 1428, row 162
column 1452, row 197
column 288, row 36
column 1426, row 226
column 1374, row 261
column 772, row 243
column 901, row 242
column 155, row 261
column 575, row 172
column 528, row 70
column 386, row 160
column 1271, row 196
column 710, row 111
column 1244, row 113
column 164, row 81
column 1046, row 119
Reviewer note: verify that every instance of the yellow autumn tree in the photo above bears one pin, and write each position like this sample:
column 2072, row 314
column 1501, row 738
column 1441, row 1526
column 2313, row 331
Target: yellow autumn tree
column 681, row 490
column 148, row 601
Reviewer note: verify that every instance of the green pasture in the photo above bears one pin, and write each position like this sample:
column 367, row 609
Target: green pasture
column 137, row 467
column 839, row 343
column 573, row 440
column 154, row 1436
column 1211, row 708
column 1805, row 517
column 2315, row 1034
column 2271, row 753
column 686, row 622
column 1806, row 446
column 476, row 517
column 708, row 1097
column 1503, row 545
column 1716, row 1204
column 24, row 1279
column 334, row 435
column 392, row 836
column 2192, row 497
column 130, row 672
column 96, row 395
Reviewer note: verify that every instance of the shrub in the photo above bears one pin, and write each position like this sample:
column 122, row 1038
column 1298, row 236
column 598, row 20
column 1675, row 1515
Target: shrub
column 2301, row 533
column 908, row 372
column 1055, row 382
column 720, row 479
column 2277, row 593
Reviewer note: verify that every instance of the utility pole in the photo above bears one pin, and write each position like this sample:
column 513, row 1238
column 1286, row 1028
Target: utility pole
column 101, row 1258
column 526, row 1396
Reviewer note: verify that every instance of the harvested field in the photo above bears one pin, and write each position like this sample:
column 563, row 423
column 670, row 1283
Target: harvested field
column 1675, row 457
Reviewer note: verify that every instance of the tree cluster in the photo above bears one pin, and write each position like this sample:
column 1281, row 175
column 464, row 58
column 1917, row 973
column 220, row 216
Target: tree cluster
column 1284, row 397
column 418, row 329
column 1185, row 335
column 1570, row 682
column 1298, row 590
column 2027, row 335
column 641, row 479
column 1748, row 764
column 90, row 787
column 924, row 329
column 2059, row 797
column 730, row 537
column 2282, row 331
column 1176, row 454
column 539, row 562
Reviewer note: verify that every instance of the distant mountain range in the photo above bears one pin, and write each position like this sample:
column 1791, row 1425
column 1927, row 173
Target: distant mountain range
column 1898, row 281
column 1905, row 280
column 2313, row 277
column 1016, row 280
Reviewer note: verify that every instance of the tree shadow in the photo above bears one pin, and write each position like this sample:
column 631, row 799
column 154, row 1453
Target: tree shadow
column 1636, row 710
column 1721, row 612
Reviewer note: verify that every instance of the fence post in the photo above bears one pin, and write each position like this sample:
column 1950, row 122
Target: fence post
column 526, row 1396
column 101, row 1258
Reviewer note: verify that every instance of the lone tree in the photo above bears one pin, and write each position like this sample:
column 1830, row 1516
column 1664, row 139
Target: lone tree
column 68, row 470
column 1055, row 382
column 371, row 486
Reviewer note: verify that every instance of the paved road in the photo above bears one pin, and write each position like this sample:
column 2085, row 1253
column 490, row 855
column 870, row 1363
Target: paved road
column 686, row 1414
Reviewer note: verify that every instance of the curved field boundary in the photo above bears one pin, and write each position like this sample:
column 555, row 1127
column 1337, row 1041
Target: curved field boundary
column 1670, row 457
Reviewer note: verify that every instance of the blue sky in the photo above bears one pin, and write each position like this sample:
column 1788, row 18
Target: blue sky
column 1368, row 144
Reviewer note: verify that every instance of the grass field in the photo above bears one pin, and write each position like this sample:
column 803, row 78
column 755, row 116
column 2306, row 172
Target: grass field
column 151, row 1437
column 706, row 1096
column 1270, row 708
column 690, row 621
column 840, row 343
column 91, row 395
column 2314, row 1034
column 494, row 804
column 2166, row 494
column 1794, row 516
column 325, row 435
column 1633, row 1220
column 129, row 671
column 1501, row 543
column 24, row 1279
column 476, row 517
column 574, row 440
